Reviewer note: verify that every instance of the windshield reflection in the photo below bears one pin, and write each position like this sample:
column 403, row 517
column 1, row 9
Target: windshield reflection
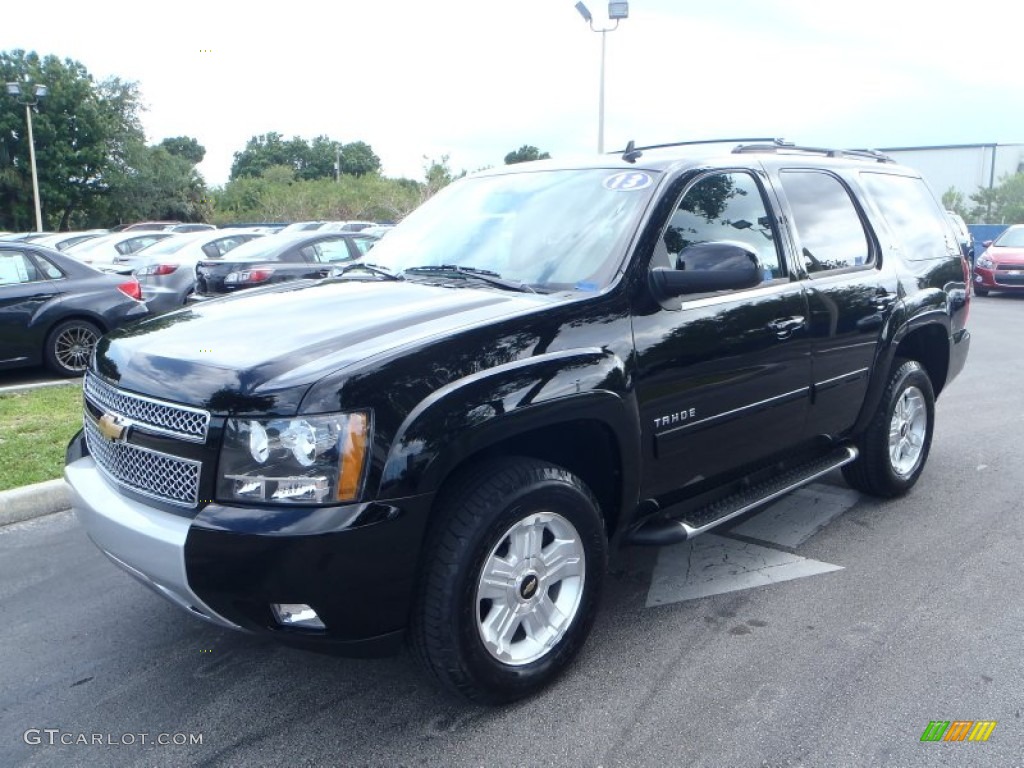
column 552, row 230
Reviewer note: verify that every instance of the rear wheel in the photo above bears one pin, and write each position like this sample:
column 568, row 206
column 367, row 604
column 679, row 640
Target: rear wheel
column 512, row 586
column 69, row 347
column 895, row 446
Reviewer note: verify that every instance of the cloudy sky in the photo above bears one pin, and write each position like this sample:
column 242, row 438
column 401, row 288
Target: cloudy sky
column 475, row 79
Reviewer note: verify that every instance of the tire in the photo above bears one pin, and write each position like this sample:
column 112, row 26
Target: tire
column 69, row 347
column 499, row 639
column 980, row 291
column 894, row 448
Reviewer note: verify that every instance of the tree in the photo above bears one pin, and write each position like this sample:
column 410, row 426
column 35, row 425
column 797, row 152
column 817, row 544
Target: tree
column 260, row 153
column 953, row 200
column 82, row 132
column 1002, row 204
column 186, row 147
column 525, row 154
column 308, row 160
column 358, row 159
column 156, row 184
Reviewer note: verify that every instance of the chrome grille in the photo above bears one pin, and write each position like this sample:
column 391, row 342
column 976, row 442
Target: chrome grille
column 151, row 473
column 149, row 415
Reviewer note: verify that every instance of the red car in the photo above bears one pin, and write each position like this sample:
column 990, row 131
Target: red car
column 1001, row 266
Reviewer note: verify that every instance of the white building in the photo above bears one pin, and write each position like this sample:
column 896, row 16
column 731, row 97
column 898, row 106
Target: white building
column 964, row 167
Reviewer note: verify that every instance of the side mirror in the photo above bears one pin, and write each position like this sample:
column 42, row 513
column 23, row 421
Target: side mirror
column 707, row 267
column 986, row 243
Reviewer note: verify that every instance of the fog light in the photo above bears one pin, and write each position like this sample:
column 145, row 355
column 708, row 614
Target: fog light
column 296, row 615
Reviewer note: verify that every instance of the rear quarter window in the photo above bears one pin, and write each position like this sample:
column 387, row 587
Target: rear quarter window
column 914, row 216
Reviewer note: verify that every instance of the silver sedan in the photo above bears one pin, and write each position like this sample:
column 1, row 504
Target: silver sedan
column 167, row 270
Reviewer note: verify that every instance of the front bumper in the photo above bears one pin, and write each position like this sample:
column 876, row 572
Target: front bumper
column 999, row 279
column 355, row 565
column 148, row 543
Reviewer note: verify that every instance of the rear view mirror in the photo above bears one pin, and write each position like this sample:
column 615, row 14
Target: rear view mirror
column 706, row 267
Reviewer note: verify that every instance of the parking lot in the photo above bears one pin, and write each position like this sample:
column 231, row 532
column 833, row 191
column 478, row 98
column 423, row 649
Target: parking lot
column 828, row 629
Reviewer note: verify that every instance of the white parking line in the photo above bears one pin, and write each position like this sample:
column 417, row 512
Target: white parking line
column 713, row 564
column 793, row 519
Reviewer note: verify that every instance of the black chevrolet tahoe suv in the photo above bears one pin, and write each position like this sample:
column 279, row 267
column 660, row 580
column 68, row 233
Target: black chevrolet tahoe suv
column 542, row 362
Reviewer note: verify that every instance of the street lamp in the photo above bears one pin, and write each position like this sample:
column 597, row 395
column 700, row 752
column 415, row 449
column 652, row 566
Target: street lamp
column 616, row 12
column 28, row 95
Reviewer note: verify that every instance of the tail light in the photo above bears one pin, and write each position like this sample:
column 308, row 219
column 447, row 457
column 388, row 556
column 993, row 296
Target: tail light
column 155, row 270
column 968, row 289
column 249, row 276
column 131, row 289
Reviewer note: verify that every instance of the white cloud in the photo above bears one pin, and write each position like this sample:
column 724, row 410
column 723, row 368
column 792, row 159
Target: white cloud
column 474, row 79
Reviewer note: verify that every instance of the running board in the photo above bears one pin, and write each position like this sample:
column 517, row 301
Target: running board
column 662, row 529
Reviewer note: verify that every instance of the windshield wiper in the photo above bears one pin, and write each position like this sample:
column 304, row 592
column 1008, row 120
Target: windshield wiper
column 471, row 273
column 371, row 268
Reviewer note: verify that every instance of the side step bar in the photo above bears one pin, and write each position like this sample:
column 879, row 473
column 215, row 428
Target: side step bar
column 663, row 529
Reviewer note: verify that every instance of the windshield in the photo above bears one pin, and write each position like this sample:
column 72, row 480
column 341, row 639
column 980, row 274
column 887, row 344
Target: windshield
column 1011, row 238
column 553, row 230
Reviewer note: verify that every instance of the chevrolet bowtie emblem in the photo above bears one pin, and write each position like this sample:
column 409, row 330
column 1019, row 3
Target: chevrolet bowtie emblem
column 113, row 428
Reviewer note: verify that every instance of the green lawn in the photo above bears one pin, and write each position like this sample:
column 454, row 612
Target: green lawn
column 35, row 428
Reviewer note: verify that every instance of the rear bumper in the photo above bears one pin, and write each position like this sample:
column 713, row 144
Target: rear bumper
column 160, row 299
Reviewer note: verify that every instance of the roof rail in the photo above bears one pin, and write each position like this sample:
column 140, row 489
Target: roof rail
column 692, row 143
column 777, row 145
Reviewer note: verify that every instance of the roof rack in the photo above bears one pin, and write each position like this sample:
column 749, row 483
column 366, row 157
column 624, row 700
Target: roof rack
column 632, row 148
column 777, row 145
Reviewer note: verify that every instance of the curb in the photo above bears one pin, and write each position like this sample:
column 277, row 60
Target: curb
column 15, row 389
column 33, row 501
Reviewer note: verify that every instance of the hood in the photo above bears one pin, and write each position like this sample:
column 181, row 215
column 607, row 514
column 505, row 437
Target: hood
column 1001, row 255
column 260, row 350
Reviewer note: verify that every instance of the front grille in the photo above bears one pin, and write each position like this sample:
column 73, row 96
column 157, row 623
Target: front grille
column 149, row 415
column 1001, row 278
column 151, row 473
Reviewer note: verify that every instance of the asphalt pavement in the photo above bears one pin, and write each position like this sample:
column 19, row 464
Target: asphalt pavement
column 917, row 619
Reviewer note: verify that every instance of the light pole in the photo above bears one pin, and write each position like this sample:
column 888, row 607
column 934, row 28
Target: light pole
column 616, row 12
column 28, row 96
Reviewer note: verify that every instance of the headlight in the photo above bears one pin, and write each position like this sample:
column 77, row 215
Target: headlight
column 317, row 459
column 985, row 261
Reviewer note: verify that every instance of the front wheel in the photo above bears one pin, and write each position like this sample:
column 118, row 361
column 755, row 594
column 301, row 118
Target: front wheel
column 513, row 580
column 895, row 445
column 980, row 291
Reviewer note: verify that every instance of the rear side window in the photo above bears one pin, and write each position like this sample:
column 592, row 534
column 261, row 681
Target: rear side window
column 829, row 230
column 48, row 268
column 911, row 212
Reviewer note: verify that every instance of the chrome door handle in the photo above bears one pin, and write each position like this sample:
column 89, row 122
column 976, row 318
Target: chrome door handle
column 784, row 327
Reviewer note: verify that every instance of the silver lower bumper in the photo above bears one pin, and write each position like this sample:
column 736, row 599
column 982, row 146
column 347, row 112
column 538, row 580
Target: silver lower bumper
column 148, row 543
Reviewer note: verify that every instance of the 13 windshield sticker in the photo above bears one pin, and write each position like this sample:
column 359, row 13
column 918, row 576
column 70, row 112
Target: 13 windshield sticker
column 628, row 181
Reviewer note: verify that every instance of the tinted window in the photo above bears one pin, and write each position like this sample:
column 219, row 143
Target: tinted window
column 723, row 207
column 915, row 218
column 16, row 267
column 829, row 232
column 328, row 251
column 49, row 269
column 363, row 244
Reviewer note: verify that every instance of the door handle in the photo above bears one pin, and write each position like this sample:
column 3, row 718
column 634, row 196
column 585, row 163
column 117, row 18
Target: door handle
column 884, row 300
column 784, row 327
